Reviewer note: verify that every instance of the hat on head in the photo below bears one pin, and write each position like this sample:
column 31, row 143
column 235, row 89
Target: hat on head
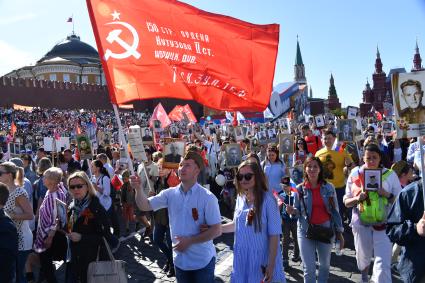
column 195, row 156
column 17, row 161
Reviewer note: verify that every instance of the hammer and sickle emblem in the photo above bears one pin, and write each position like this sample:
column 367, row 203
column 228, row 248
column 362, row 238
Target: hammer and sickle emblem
column 114, row 36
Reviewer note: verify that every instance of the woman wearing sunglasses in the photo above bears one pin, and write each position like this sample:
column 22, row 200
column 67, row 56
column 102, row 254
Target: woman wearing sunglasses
column 316, row 204
column 257, row 229
column 87, row 225
column 301, row 152
column 20, row 211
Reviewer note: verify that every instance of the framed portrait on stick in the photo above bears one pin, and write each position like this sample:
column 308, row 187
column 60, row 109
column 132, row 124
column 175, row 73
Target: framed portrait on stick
column 233, row 154
column 286, row 143
column 319, row 121
column 174, row 150
column 372, row 179
column 346, row 130
column 409, row 103
column 84, row 147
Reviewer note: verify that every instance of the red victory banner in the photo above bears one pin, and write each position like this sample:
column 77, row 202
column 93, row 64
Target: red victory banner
column 165, row 48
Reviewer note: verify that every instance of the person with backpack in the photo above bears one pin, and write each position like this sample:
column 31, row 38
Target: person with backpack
column 369, row 216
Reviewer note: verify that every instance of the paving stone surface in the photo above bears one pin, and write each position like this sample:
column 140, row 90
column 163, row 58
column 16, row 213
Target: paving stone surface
column 145, row 262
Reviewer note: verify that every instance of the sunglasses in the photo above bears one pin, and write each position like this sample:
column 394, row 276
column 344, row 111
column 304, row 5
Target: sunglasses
column 78, row 186
column 247, row 176
column 2, row 172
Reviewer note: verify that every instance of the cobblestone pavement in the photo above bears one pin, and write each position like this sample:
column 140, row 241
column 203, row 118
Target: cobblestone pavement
column 145, row 262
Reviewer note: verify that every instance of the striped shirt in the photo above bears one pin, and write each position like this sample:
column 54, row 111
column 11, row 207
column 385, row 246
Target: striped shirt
column 47, row 216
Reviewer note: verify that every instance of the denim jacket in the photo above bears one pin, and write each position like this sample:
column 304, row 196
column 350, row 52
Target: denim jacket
column 405, row 212
column 327, row 190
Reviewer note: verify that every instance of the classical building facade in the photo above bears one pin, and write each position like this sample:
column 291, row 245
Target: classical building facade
column 71, row 60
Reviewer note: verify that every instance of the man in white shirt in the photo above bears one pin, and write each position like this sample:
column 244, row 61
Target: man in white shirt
column 190, row 206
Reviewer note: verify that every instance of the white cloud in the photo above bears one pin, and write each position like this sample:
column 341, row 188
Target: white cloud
column 4, row 21
column 12, row 58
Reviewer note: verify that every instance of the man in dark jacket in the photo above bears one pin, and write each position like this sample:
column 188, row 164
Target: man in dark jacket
column 8, row 241
column 73, row 165
column 406, row 227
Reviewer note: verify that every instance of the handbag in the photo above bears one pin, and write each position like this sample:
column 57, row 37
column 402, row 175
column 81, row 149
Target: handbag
column 112, row 271
column 317, row 232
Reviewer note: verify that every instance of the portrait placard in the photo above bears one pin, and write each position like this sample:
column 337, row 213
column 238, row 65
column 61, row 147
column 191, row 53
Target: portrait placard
column 48, row 144
column 372, row 179
column 61, row 211
column 262, row 137
column 233, row 154
column 271, row 134
column 409, row 103
column 84, row 147
column 238, row 133
column 174, row 150
column 345, row 129
column 296, row 174
column 136, row 143
column 319, row 121
column 147, row 136
column 352, row 112
column 286, row 143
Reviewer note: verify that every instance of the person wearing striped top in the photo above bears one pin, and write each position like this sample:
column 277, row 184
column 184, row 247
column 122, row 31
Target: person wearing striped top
column 257, row 227
column 47, row 222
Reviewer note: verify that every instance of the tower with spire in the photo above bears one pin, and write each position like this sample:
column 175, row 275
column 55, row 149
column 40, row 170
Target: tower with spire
column 299, row 70
column 417, row 61
column 379, row 84
column 333, row 101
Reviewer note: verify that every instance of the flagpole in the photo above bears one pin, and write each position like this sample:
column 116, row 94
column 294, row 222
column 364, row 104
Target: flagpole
column 122, row 138
column 421, row 150
column 124, row 144
column 73, row 30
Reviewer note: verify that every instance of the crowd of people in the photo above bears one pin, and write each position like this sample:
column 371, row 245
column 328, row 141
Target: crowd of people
column 54, row 206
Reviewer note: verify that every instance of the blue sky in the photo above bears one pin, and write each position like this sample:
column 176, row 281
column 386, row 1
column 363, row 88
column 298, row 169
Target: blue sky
column 335, row 36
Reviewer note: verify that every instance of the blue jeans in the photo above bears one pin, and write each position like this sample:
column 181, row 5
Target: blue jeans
column 203, row 275
column 159, row 233
column 308, row 250
column 20, row 266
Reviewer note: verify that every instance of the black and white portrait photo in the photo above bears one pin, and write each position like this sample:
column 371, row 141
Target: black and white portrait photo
column 239, row 133
column 271, row 133
column 319, row 121
column 345, row 130
column 173, row 152
column 286, row 143
column 352, row 112
column 147, row 136
column 296, row 174
column 233, row 155
column 372, row 179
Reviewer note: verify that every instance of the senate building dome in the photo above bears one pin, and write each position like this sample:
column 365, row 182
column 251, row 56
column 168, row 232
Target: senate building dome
column 70, row 60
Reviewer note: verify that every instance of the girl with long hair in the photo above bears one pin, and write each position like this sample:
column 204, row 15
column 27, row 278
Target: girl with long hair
column 20, row 211
column 316, row 204
column 257, row 229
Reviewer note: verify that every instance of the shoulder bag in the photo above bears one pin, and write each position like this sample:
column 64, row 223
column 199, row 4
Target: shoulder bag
column 317, row 232
column 112, row 271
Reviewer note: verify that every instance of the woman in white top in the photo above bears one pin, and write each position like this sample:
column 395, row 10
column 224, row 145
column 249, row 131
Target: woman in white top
column 371, row 240
column 20, row 211
column 102, row 183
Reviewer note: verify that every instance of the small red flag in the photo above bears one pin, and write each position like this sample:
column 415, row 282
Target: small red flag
column 13, row 129
column 160, row 114
column 176, row 113
column 169, row 49
column 116, row 182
